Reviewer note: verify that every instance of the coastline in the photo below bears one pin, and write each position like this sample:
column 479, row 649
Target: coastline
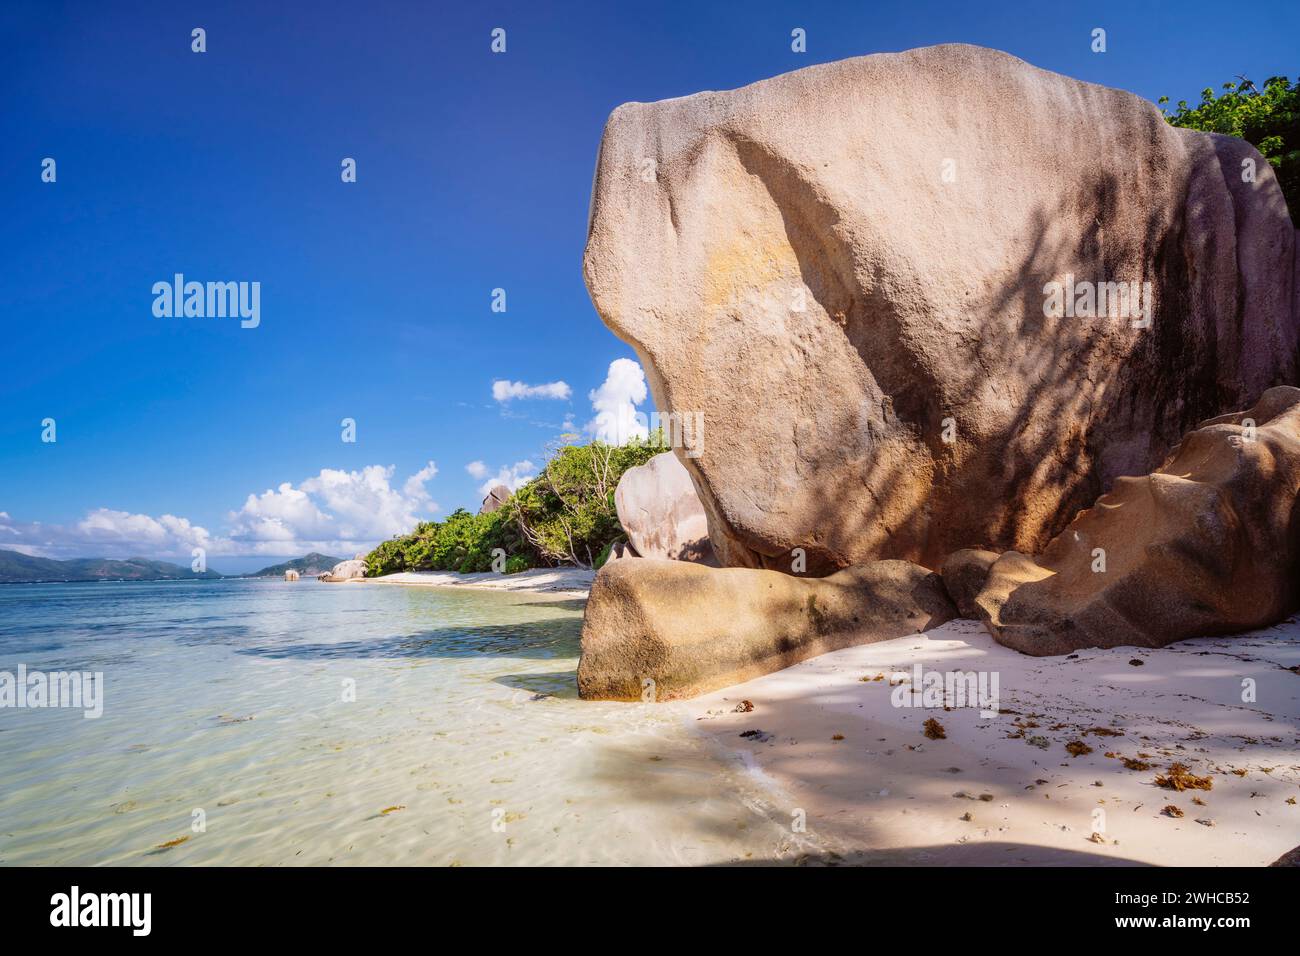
column 617, row 778
column 1004, row 790
column 560, row 582
column 884, row 794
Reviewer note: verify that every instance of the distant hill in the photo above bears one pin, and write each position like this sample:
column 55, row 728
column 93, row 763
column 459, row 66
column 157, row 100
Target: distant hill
column 309, row 565
column 16, row 567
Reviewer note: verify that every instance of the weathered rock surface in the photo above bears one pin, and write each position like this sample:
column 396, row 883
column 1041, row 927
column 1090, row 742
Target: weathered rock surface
column 620, row 551
column 834, row 264
column 1207, row 544
column 661, row 513
column 691, row 628
column 964, row 575
column 1289, row 858
column 346, row 570
column 497, row 496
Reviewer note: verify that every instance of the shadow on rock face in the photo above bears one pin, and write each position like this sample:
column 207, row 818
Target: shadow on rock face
column 1207, row 544
column 868, row 342
column 669, row 629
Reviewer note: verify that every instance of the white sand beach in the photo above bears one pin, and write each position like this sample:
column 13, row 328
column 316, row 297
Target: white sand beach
column 562, row 582
column 1005, row 790
column 833, row 749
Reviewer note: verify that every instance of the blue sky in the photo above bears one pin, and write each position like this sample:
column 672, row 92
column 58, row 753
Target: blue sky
column 473, row 173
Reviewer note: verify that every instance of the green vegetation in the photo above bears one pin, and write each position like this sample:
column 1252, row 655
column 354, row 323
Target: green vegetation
column 565, row 515
column 1268, row 119
column 462, row 542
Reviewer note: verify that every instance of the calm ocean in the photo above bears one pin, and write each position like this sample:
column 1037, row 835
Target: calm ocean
column 271, row 723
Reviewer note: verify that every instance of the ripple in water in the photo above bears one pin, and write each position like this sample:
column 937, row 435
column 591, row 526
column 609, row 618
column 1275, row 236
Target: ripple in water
column 273, row 723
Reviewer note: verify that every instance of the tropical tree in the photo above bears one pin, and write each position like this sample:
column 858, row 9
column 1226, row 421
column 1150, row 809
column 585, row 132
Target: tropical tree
column 565, row 515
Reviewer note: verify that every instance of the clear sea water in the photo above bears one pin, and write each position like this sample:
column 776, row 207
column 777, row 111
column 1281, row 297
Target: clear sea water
column 226, row 727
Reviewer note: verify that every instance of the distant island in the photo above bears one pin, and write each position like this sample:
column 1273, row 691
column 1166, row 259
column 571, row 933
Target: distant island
column 309, row 565
column 18, row 568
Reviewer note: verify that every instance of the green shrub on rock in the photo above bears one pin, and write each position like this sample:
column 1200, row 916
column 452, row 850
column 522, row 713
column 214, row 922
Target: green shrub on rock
column 1268, row 119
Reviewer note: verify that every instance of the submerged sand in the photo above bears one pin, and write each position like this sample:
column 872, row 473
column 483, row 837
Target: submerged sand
column 852, row 778
column 568, row 582
column 259, row 722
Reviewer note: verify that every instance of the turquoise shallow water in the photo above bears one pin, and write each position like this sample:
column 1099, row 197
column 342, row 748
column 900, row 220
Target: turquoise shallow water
column 229, row 723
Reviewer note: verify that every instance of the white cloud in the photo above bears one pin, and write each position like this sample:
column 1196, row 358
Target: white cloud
column 347, row 506
column 503, row 390
column 617, row 419
column 414, row 487
column 476, row 469
column 120, row 530
column 108, row 533
column 336, row 512
column 513, row 476
column 285, row 514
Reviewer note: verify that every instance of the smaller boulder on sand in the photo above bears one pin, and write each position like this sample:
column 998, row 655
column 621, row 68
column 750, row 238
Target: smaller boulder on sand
column 661, row 512
column 964, row 574
column 657, row 629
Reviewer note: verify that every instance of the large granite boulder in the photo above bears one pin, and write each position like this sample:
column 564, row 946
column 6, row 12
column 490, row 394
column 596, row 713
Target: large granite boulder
column 1207, row 544
column 346, row 570
column 661, row 513
column 689, row 629
column 848, row 271
column 496, row 497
